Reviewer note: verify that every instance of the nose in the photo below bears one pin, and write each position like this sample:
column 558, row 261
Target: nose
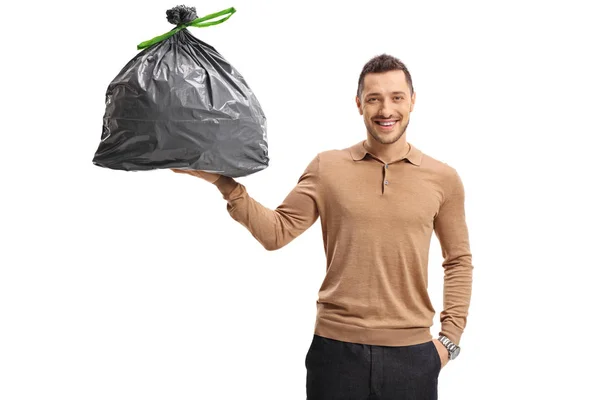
column 385, row 109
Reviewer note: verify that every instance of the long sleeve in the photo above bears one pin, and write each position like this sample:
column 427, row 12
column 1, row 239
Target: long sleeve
column 452, row 232
column 275, row 228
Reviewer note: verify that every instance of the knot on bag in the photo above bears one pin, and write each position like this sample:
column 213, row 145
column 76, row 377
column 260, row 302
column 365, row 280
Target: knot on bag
column 181, row 15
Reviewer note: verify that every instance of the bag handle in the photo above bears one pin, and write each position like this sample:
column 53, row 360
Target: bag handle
column 198, row 23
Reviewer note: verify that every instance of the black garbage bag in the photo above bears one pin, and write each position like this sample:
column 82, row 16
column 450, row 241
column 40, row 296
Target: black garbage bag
column 180, row 104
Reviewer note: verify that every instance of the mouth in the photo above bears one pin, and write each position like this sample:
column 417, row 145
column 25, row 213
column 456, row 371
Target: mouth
column 386, row 124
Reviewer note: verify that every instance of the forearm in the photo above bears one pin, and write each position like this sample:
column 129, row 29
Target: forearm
column 259, row 220
column 225, row 185
column 272, row 228
column 458, row 279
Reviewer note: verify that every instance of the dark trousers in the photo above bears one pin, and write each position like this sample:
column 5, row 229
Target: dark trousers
column 337, row 370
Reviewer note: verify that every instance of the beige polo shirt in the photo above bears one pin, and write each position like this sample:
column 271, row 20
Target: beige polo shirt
column 377, row 222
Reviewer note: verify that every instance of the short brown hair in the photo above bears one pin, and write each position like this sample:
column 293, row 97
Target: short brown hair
column 383, row 63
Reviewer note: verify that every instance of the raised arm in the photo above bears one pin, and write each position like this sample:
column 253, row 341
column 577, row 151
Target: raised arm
column 275, row 228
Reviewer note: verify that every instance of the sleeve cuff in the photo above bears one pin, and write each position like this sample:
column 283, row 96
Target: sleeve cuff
column 226, row 185
column 452, row 333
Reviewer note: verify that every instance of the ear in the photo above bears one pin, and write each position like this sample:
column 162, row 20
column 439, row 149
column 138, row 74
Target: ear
column 358, row 105
column 412, row 101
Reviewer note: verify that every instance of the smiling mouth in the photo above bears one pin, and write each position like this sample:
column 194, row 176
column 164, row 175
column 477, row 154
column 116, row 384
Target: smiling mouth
column 386, row 124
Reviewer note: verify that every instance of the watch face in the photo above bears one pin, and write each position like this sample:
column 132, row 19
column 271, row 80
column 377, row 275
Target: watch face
column 455, row 353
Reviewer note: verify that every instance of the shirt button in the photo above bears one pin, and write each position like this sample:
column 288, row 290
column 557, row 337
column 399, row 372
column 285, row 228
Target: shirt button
column 386, row 166
column 385, row 182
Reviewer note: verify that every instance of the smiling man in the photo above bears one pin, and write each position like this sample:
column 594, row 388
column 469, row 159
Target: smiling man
column 379, row 201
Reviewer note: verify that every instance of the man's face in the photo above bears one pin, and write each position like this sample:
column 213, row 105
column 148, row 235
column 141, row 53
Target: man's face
column 386, row 104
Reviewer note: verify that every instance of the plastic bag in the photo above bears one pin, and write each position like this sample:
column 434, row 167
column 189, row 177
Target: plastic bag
column 180, row 104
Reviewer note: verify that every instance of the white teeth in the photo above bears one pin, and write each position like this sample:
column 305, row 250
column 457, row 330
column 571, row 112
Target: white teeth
column 387, row 123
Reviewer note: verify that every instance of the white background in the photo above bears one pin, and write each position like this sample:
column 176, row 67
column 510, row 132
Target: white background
column 117, row 285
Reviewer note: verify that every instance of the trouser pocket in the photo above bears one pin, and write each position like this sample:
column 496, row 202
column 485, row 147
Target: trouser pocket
column 436, row 357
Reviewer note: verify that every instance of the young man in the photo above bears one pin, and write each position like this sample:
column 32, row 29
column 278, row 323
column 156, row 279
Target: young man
column 379, row 201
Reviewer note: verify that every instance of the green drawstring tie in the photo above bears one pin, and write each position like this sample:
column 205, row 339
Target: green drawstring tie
column 198, row 23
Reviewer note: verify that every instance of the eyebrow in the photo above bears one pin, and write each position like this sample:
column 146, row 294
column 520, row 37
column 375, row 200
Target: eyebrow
column 379, row 94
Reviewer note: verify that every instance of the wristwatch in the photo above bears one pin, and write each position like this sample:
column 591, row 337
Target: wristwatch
column 453, row 349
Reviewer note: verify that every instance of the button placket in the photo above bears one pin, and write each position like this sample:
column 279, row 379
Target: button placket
column 386, row 182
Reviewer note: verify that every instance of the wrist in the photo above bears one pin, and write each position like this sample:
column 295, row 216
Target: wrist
column 453, row 349
column 225, row 184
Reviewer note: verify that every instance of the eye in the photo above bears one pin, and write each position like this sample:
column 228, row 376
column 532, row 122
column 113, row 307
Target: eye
column 371, row 99
column 398, row 98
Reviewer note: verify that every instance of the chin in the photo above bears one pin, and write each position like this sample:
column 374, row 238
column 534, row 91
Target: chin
column 387, row 139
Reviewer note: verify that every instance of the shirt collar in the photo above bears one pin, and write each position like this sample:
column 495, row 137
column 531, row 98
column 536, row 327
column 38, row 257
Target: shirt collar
column 358, row 152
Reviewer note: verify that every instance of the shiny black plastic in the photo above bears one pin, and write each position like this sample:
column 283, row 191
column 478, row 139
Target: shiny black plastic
column 180, row 104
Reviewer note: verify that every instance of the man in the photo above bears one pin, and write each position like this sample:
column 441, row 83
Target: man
column 379, row 202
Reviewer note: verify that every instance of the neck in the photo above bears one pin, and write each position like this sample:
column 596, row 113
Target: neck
column 387, row 152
